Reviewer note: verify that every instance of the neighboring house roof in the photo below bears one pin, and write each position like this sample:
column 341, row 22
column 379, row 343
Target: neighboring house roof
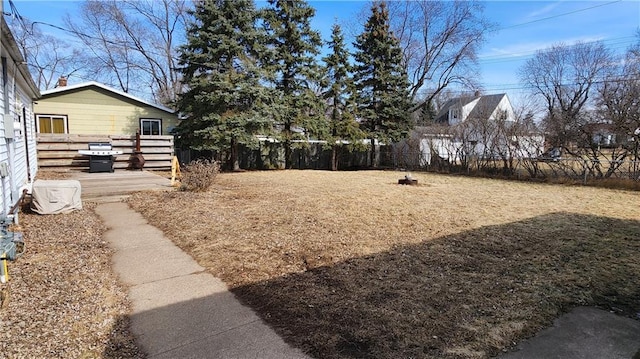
column 458, row 102
column 482, row 106
column 80, row 86
column 486, row 106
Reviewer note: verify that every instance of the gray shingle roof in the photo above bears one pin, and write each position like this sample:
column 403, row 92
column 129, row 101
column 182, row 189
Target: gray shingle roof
column 483, row 109
column 443, row 114
column 486, row 105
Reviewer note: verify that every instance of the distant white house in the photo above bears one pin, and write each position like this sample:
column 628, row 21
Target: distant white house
column 467, row 127
column 18, row 157
column 491, row 107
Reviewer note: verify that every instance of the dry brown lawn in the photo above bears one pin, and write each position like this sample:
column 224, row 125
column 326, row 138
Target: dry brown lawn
column 352, row 265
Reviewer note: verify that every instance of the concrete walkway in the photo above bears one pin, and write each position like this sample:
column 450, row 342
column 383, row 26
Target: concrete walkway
column 583, row 333
column 180, row 311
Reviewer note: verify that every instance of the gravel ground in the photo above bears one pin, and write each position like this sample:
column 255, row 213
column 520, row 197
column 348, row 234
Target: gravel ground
column 64, row 299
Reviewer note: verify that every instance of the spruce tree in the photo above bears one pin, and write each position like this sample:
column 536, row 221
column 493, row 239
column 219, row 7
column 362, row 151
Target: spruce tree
column 294, row 45
column 224, row 102
column 381, row 81
column 343, row 126
column 427, row 113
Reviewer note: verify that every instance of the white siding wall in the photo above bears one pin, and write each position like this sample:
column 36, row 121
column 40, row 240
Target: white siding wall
column 13, row 147
column 466, row 109
column 23, row 139
column 443, row 146
column 5, row 145
column 19, row 162
column 504, row 105
column 31, row 137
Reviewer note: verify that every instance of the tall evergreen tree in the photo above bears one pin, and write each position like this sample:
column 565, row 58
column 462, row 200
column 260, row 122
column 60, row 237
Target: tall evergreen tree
column 224, row 102
column 340, row 87
column 381, row 81
column 427, row 114
column 294, row 45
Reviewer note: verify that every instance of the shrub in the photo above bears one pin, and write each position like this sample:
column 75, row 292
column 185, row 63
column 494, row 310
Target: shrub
column 198, row 176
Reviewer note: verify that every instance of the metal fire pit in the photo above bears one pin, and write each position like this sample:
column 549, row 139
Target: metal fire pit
column 137, row 159
column 101, row 156
column 408, row 180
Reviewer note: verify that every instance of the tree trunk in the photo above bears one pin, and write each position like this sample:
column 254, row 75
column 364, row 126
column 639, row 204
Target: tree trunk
column 287, row 155
column 287, row 146
column 334, row 158
column 234, row 163
column 373, row 153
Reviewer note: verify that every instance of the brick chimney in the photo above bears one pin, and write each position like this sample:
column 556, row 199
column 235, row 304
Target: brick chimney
column 62, row 81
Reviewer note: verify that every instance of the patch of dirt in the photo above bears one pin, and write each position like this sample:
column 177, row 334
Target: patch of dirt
column 353, row 265
column 54, row 175
column 64, row 299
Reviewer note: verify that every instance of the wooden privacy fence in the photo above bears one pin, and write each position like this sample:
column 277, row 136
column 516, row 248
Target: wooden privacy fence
column 60, row 152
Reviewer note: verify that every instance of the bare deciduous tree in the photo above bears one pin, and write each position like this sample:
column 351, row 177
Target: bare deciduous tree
column 47, row 56
column 619, row 105
column 565, row 77
column 135, row 42
column 440, row 40
column 619, row 97
column 167, row 21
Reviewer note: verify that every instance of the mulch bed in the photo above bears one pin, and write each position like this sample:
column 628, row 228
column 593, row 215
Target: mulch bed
column 64, row 301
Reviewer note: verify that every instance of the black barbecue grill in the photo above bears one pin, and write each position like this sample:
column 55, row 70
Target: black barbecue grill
column 101, row 156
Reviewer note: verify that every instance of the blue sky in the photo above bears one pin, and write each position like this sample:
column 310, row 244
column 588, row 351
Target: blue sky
column 524, row 27
column 530, row 26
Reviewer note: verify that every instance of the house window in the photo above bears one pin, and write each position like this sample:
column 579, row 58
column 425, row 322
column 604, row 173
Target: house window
column 455, row 113
column 52, row 124
column 18, row 125
column 150, row 126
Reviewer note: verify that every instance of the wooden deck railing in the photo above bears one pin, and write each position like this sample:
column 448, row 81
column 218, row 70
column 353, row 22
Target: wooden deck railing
column 60, row 152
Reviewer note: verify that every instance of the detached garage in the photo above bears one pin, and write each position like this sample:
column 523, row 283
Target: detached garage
column 69, row 117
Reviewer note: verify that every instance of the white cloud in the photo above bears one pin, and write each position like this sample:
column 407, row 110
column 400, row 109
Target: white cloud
column 522, row 49
column 543, row 11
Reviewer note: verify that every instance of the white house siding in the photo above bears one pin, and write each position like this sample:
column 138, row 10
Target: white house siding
column 23, row 115
column 6, row 153
column 31, row 138
column 5, row 182
column 504, row 105
column 20, row 93
column 529, row 146
column 466, row 109
column 443, row 146
column 450, row 149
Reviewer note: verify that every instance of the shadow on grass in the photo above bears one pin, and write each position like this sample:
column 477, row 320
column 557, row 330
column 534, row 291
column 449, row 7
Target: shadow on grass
column 466, row 295
column 121, row 343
